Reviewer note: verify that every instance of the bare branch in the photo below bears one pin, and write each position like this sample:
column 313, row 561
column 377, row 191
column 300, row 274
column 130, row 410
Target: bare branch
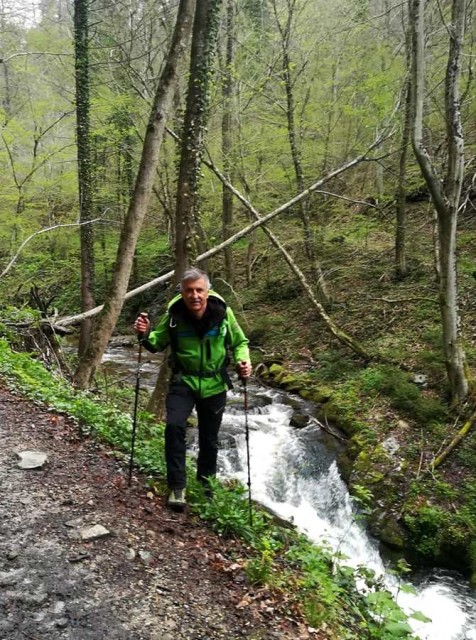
column 37, row 233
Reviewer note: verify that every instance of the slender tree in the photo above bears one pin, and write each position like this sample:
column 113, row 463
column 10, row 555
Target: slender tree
column 446, row 193
column 140, row 200
column 400, row 231
column 285, row 28
column 227, row 137
column 85, row 172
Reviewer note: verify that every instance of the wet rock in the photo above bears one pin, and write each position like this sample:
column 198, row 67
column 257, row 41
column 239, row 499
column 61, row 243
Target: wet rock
column 299, row 420
column 32, row 459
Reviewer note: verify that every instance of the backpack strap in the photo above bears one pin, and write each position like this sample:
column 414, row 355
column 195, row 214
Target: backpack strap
column 179, row 371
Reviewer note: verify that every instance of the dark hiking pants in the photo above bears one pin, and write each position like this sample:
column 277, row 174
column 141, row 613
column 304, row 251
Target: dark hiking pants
column 179, row 405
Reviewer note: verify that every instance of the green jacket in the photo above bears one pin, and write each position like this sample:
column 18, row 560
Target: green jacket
column 200, row 361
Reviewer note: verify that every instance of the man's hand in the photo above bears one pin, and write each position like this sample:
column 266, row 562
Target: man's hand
column 142, row 324
column 243, row 369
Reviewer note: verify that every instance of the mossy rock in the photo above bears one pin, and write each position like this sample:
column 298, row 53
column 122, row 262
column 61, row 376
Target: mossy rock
column 299, row 420
column 276, row 372
column 319, row 395
column 332, row 412
column 386, row 528
column 289, row 382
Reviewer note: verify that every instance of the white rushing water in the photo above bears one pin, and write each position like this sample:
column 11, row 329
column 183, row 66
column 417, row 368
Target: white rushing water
column 293, row 474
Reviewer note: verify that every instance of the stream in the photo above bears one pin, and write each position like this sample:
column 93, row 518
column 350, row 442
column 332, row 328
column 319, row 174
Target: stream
column 294, row 473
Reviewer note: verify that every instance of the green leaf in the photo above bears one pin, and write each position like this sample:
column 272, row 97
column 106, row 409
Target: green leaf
column 421, row 617
column 398, row 629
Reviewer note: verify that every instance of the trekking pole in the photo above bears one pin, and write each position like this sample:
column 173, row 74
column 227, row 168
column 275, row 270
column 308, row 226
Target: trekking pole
column 247, row 435
column 136, row 402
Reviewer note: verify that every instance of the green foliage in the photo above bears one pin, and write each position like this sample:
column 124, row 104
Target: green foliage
column 426, row 529
column 260, row 569
column 228, row 510
column 335, row 365
column 403, row 394
column 436, row 531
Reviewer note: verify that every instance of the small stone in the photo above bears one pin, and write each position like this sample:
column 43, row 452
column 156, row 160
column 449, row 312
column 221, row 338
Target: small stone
column 145, row 556
column 59, row 607
column 79, row 558
column 32, row 459
column 73, row 523
column 391, row 445
column 94, row 533
column 131, row 554
column 62, row 623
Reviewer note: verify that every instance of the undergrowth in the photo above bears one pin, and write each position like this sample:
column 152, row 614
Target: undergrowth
column 307, row 577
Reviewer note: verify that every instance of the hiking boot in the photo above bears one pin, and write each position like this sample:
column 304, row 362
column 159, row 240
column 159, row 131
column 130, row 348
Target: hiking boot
column 176, row 500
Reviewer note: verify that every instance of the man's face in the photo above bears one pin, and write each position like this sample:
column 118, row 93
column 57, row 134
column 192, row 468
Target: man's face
column 195, row 294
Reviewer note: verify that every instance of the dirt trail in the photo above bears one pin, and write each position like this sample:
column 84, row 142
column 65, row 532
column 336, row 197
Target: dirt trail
column 156, row 576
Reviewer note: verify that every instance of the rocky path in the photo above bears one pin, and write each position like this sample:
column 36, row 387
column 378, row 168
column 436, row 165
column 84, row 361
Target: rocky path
column 146, row 574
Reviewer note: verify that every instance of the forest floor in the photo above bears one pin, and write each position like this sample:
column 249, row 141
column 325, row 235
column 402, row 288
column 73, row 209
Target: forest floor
column 156, row 575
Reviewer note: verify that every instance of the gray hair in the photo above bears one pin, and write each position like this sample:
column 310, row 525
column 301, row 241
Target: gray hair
column 194, row 274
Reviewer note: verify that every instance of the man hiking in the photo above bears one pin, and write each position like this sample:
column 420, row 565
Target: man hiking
column 198, row 326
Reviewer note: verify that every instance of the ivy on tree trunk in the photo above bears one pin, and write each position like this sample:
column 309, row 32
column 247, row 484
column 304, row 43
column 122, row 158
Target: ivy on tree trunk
column 81, row 46
column 205, row 29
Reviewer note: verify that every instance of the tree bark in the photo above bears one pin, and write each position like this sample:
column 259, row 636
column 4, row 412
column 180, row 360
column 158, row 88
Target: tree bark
column 309, row 244
column 227, row 145
column 204, row 38
column 465, row 429
column 140, row 199
column 445, row 193
column 85, row 188
column 400, row 232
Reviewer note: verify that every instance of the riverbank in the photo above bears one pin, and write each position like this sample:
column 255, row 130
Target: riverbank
column 299, row 585
column 148, row 574
column 428, row 514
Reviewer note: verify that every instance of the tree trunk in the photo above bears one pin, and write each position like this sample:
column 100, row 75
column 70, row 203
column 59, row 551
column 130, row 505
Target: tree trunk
column 445, row 194
column 227, row 141
column 204, row 38
column 400, row 232
column 140, row 199
column 309, row 244
column 85, row 173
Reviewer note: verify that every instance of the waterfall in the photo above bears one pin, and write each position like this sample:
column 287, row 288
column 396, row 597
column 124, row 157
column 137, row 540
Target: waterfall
column 294, row 474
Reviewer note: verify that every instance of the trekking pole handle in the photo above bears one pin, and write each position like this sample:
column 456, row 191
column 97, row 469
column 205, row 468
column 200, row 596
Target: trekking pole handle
column 145, row 318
